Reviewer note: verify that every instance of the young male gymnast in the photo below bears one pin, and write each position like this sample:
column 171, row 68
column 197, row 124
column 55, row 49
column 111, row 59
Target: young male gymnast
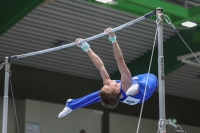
column 129, row 90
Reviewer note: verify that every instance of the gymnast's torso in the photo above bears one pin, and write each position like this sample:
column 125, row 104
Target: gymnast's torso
column 138, row 96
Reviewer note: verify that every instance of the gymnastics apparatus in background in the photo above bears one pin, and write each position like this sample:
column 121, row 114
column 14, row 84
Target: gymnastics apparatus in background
column 161, row 77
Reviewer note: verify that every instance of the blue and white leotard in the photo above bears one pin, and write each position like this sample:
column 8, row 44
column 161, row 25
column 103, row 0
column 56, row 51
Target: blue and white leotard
column 141, row 80
column 131, row 100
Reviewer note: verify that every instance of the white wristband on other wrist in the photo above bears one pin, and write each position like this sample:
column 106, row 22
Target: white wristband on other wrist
column 85, row 47
column 113, row 39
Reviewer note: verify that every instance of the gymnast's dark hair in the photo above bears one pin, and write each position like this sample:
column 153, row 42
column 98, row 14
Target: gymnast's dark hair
column 110, row 99
column 82, row 131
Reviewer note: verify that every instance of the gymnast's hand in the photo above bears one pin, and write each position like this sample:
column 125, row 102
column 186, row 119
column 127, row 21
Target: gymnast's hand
column 84, row 45
column 77, row 41
column 108, row 30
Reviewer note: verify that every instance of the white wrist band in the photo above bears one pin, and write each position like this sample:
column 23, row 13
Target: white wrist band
column 85, row 47
column 113, row 39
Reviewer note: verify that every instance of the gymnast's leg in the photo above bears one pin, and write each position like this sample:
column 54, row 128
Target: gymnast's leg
column 73, row 104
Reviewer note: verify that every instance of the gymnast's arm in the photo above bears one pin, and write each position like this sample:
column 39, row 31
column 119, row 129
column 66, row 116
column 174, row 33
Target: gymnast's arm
column 125, row 73
column 99, row 65
column 95, row 59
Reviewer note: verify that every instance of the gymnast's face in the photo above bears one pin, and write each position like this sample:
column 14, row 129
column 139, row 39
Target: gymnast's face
column 111, row 86
column 110, row 94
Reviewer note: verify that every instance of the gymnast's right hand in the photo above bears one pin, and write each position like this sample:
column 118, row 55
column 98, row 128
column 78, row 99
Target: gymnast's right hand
column 112, row 36
column 84, row 45
column 77, row 41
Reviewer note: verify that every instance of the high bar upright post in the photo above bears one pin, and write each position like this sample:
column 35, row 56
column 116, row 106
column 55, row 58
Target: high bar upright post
column 5, row 98
column 161, row 74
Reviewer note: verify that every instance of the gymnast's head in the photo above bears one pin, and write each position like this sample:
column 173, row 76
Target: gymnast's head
column 109, row 94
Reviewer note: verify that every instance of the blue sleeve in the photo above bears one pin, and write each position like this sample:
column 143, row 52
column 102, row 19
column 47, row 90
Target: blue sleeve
column 84, row 101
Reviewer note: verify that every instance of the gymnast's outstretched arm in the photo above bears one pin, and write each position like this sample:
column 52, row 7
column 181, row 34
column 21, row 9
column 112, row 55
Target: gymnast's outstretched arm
column 95, row 59
column 125, row 73
column 99, row 65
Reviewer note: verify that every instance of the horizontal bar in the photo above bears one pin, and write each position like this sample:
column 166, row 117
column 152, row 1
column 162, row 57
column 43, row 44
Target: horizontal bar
column 190, row 62
column 150, row 14
column 187, row 56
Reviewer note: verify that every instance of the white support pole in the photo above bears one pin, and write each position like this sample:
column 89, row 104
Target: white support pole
column 5, row 99
column 161, row 74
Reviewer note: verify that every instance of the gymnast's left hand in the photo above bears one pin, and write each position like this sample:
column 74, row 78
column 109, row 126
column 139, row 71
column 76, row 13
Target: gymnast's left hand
column 77, row 41
column 108, row 30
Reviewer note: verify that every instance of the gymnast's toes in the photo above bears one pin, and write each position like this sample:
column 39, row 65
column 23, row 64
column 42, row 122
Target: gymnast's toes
column 65, row 112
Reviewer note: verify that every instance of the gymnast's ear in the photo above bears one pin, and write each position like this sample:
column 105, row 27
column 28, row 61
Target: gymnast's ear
column 117, row 90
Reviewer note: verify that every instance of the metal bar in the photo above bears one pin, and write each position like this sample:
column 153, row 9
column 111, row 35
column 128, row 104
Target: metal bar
column 5, row 99
column 187, row 56
column 190, row 62
column 161, row 75
column 150, row 14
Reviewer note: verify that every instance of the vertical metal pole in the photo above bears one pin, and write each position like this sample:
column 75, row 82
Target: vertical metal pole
column 5, row 99
column 161, row 75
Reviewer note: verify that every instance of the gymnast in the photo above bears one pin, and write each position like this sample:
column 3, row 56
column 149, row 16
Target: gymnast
column 129, row 90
